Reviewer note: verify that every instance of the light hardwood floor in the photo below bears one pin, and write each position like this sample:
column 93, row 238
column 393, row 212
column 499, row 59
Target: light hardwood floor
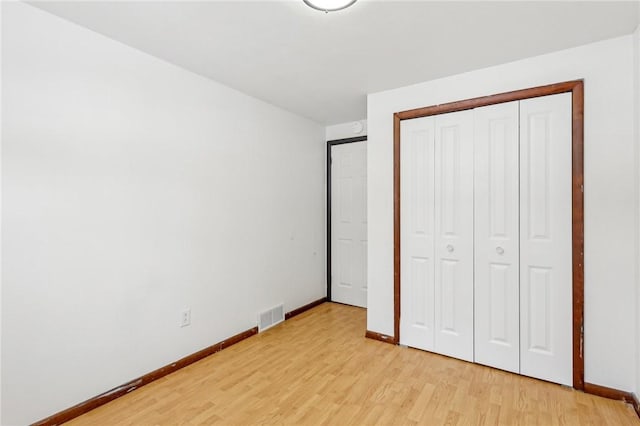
column 318, row 368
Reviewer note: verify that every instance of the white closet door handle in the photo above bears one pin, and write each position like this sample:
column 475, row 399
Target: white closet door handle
column 449, row 248
column 500, row 250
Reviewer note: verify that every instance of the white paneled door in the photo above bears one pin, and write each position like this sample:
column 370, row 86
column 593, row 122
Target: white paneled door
column 349, row 223
column 437, row 234
column 417, row 240
column 545, row 239
column 496, row 222
column 454, row 234
column 486, row 236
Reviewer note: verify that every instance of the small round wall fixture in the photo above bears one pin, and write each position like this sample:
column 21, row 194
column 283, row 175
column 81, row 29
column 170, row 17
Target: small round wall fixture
column 329, row 5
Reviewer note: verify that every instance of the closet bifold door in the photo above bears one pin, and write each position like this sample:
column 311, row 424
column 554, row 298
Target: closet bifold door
column 417, row 233
column 545, row 239
column 497, row 279
column 454, row 234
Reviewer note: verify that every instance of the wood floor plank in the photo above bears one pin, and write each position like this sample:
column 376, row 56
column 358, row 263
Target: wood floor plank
column 317, row 368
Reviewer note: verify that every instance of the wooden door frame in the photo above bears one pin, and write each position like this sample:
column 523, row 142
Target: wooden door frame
column 331, row 144
column 576, row 88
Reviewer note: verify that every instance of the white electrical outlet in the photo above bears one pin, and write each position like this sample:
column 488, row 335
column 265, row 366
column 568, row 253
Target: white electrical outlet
column 185, row 318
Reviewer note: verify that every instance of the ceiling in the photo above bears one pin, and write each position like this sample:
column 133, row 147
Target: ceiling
column 321, row 66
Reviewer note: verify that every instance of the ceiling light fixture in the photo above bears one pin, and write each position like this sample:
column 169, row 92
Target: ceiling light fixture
column 329, row 5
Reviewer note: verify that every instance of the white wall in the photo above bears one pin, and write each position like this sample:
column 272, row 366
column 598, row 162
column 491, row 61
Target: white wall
column 345, row 130
column 1, row 8
column 607, row 68
column 636, row 49
column 131, row 190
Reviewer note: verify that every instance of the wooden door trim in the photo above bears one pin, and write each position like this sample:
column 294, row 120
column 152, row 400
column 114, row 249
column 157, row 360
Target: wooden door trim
column 331, row 144
column 576, row 88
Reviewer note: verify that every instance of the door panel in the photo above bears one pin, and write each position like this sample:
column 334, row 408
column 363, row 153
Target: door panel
column 454, row 234
column 349, row 224
column 417, row 233
column 545, row 238
column 496, row 219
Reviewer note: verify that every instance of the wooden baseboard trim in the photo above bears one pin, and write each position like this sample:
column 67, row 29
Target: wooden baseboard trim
column 304, row 308
column 381, row 337
column 97, row 401
column 611, row 393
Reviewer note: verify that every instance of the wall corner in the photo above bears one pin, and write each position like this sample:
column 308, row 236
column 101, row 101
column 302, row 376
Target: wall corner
column 636, row 130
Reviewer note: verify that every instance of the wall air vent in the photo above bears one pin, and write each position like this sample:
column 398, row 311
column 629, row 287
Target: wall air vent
column 271, row 317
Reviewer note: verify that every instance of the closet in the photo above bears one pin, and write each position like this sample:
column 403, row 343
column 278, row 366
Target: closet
column 486, row 236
